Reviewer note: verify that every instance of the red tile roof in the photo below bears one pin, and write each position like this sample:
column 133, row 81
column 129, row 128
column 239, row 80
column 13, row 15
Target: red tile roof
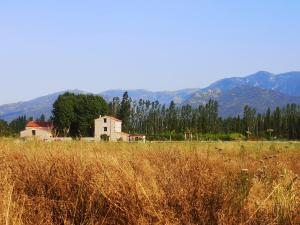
column 38, row 124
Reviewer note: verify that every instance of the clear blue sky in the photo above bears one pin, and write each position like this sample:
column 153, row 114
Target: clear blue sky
column 53, row 45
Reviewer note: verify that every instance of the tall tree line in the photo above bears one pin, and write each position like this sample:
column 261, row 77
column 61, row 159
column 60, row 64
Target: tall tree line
column 153, row 118
column 73, row 115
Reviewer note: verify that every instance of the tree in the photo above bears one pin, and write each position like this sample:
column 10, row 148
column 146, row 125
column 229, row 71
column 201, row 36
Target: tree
column 270, row 131
column 172, row 117
column 4, row 130
column 17, row 125
column 74, row 115
column 124, row 113
column 249, row 119
column 64, row 117
column 277, row 121
column 114, row 106
column 42, row 118
column 159, row 121
column 212, row 112
column 87, row 109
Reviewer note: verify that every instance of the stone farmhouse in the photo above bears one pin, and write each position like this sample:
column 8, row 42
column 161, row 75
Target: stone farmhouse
column 108, row 127
column 39, row 130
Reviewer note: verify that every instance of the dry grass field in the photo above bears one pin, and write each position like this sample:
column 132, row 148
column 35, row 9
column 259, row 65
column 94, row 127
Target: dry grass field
column 152, row 183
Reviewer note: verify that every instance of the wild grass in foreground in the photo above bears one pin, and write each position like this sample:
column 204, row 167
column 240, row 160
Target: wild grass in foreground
column 157, row 183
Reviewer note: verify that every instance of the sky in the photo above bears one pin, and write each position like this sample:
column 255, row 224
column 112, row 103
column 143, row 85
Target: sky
column 53, row 45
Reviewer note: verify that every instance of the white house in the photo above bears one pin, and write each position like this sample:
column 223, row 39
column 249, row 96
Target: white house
column 39, row 130
column 111, row 128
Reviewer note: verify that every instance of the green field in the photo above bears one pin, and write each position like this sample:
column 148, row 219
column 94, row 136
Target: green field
column 153, row 183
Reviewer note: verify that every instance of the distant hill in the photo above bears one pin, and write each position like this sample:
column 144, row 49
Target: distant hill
column 34, row 108
column 232, row 102
column 286, row 83
column 259, row 90
column 164, row 97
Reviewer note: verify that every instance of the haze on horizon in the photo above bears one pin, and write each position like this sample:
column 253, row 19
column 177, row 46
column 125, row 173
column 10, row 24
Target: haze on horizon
column 49, row 46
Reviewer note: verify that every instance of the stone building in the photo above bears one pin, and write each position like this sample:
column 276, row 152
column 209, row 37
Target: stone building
column 108, row 127
column 39, row 130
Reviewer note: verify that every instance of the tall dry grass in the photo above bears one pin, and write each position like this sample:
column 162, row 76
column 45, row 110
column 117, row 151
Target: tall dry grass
column 153, row 183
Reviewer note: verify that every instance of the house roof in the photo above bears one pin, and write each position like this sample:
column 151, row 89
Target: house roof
column 48, row 129
column 113, row 118
column 38, row 124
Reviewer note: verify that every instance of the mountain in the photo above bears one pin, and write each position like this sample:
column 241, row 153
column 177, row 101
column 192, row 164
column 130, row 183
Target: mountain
column 34, row 108
column 202, row 97
column 259, row 90
column 164, row 97
column 232, row 102
column 286, row 83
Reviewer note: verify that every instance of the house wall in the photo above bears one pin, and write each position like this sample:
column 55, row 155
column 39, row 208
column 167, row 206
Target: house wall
column 117, row 126
column 121, row 136
column 39, row 133
column 113, row 126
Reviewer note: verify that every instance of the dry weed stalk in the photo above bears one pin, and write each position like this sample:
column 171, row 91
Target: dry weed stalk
column 158, row 183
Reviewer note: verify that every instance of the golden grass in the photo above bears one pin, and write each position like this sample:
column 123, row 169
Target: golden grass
column 152, row 183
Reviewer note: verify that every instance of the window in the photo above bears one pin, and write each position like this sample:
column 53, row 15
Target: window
column 33, row 132
column 105, row 120
column 105, row 128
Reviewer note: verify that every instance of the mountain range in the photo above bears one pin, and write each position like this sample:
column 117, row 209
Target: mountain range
column 259, row 90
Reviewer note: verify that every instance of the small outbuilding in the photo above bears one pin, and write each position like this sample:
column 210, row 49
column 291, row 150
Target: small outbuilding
column 37, row 129
column 137, row 137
